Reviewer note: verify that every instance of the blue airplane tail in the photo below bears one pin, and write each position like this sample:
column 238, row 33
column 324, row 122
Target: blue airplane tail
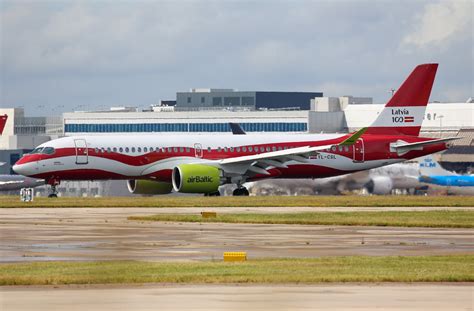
column 431, row 167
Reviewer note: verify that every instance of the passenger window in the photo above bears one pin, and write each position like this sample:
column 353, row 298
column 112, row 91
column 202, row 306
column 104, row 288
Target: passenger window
column 127, row 150
column 145, row 149
column 175, row 149
column 286, row 147
column 238, row 149
column 244, row 149
column 115, row 149
column 274, row 148
column 209, row 149
column 218, row 149
column 250, row 149
column 139, row 149
column 102, row 150
column 181, row 149
column 231, row 149
column 268, row 149
column 187, row 149
column 170, row 149
column 340, row 148
column 133, row 149
column 121, row 149
column 280, row 148
column 109, row 150
column 333, row 148
column 96, row 150
column 225, row 149
column 346, row 148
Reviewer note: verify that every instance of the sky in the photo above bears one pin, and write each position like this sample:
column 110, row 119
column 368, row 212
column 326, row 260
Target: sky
column 58, row 56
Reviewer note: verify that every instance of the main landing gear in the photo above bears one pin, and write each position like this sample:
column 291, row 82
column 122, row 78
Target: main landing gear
column 241, row 191
column 53, row 182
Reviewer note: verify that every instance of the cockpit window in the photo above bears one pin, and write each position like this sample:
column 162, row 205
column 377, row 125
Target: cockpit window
column 48, row 150
column 37, row 150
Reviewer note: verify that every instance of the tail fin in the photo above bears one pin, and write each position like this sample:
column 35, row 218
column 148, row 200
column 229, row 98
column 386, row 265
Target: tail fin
column 3, row 121
column 403, row 114
column 431, row 167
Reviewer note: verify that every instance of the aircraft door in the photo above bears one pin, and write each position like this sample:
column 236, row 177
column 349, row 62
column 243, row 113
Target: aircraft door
column 81, row 151
column 198, row 150
column 358, row 148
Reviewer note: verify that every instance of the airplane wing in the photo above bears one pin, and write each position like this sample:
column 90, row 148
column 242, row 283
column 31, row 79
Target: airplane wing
column 401, row 147
column 259, row 163
column 11, row 182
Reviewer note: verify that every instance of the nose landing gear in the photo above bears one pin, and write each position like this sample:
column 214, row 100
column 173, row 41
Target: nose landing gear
column 53, row 182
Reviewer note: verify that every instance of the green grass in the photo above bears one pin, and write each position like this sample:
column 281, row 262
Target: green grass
column 455, row 268
column 200, row 201
column 448, row 219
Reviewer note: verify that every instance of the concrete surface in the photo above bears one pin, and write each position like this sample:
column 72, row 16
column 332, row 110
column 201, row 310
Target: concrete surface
column 235, row 297
column 39, row 234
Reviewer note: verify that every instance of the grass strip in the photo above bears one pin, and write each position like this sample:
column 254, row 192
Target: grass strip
column 445, row 218
column 270, row 201
column 454, row 268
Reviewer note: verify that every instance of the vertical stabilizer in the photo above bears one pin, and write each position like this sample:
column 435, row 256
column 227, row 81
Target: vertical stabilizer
column 431, row 167
column 403, row 114
column 3, row 121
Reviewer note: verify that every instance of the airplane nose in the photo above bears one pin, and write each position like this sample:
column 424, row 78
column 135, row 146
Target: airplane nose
column 19, row 169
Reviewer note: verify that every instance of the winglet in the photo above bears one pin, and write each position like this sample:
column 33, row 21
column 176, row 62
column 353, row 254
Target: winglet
column 236, row 129
column 354, row 137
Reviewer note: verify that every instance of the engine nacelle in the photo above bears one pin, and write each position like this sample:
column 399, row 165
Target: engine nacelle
column 196, row 178
column 143, row 186
column 380, row 185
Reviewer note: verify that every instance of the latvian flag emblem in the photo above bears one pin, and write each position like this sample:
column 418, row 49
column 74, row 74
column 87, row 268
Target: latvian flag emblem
column 409, row 119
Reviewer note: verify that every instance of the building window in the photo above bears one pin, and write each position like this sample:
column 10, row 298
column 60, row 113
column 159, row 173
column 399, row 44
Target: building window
column 217, row 101
column 203, row 99
column 189, row 99
column 248, row 101
column 231, row 101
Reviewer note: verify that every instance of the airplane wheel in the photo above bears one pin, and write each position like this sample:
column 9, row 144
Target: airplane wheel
column 241, row 192
column 213, row 194
column 53, row 195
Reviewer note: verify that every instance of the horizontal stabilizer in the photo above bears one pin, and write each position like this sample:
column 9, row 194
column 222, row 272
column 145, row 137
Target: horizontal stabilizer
column 401, row 147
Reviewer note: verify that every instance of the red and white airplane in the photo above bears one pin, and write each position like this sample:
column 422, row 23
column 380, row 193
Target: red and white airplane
column 157, row 164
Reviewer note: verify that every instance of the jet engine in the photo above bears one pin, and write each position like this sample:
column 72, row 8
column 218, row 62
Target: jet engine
column 143, row 186
column 380, row 185
column 196, row 178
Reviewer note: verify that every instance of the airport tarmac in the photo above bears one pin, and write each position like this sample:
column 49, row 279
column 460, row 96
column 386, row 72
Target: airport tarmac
column 240, row 297
column 39, row 234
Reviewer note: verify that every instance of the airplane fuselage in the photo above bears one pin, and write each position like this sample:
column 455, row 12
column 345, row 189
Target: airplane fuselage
column 153, row 156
